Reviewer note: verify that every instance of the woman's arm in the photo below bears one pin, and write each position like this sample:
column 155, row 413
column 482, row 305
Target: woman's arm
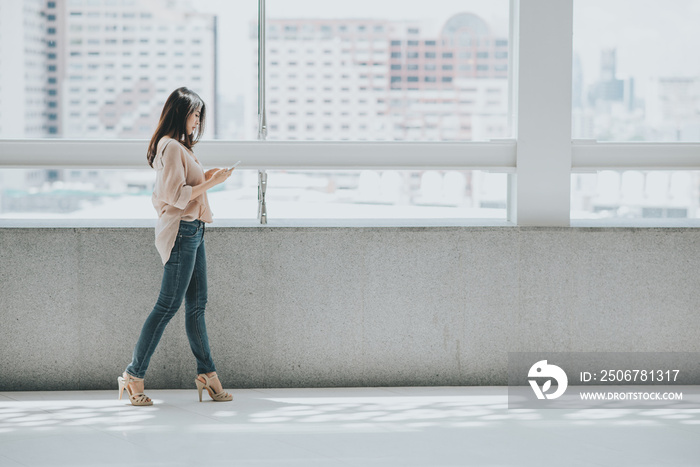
column 220, row 176
column 172, row 186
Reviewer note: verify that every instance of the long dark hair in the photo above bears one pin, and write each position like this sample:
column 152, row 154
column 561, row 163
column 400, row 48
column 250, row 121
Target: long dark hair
column 181, row 103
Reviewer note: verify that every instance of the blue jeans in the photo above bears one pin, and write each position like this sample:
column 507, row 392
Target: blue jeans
column 184, row 276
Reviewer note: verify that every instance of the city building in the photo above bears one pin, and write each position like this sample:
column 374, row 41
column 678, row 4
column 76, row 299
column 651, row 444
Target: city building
column 608, row 88
column 118, row 60
column 612, row 111
column 673, row 108
column 25, row 110
column 372, row 79
column 376, row 79
column 95, row 69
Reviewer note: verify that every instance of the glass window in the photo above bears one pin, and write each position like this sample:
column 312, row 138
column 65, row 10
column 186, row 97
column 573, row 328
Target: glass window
column 414, row 27
column 635, row 194
column 633, row 75
column 385, row 194
column 108, row 194
column 230, row 111
column 356, row 109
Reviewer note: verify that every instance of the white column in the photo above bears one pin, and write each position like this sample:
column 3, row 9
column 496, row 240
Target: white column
column 542, row 102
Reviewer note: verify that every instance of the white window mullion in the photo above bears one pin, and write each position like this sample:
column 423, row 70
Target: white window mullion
column 589, row 156
column 543, row 105
column 131, row 154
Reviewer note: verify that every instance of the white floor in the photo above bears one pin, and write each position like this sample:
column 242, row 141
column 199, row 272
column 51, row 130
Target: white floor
column 435, row 426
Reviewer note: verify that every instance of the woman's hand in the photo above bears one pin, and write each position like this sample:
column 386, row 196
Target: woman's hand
column 213, row 178
column 209, row 173
column 218, row 175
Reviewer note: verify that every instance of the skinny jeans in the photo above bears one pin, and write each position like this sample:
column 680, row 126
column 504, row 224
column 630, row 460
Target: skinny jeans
column 184, row 277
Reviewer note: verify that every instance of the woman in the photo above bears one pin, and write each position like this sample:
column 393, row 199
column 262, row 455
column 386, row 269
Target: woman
column 180, row 199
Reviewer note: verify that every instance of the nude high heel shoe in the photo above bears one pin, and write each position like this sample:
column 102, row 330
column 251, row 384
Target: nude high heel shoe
column 223, row 396
column 136, row 399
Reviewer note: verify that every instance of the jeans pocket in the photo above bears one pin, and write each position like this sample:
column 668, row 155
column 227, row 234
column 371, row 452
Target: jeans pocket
column 188, row 230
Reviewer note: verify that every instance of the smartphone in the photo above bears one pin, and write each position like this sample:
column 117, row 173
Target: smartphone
column 234, row 165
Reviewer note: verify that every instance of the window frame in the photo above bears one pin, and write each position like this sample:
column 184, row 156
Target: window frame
column 540, row 158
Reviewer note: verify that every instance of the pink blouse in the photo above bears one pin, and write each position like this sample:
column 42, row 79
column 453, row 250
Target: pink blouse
column 177, row 171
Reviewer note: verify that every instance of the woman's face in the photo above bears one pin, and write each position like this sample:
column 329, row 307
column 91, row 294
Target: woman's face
column 193, row 121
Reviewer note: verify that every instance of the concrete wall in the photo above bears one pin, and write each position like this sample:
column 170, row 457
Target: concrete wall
column 313, row 306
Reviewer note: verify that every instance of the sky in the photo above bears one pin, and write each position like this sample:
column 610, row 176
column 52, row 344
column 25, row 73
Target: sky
column 653, row 37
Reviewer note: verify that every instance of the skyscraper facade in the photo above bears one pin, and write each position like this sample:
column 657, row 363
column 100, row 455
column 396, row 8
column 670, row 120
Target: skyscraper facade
column 94, row 69
column 24, row 106
column 100, row 68
column 673, row 108
column 122, row 58
column 362, row 79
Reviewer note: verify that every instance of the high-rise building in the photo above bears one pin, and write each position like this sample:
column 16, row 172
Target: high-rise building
column 673, row 108
column 577, row 83
column 118, row 60
column 608, row 88
column 94, row 69
column 24, row 77
column 372, row 79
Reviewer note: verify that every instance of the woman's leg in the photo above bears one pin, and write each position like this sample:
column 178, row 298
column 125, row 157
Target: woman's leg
column 195, row 304
column 176, row 276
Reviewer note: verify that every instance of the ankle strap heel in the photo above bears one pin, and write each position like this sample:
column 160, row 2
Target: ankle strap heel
column 135, row 398
column 223, row 396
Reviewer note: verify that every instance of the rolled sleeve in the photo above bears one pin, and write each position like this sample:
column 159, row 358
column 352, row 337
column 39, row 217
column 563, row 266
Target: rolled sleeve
column 184, row 198
column 173, row 188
